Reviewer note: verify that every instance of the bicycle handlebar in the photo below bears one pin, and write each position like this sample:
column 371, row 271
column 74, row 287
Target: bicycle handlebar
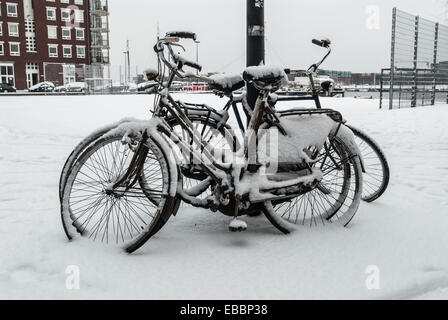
column 325, row 43
column 182, row 35
column 191, row 64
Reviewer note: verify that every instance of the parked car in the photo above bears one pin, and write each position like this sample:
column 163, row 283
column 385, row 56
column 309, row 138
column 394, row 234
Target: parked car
column 4, row 87
column 76, row 87
column 42, row 87
column 60, row 89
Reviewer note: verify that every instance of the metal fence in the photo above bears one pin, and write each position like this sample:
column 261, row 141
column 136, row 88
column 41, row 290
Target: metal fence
column 418, row 73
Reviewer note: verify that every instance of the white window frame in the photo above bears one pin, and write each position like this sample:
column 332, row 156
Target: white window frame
column 12, row 15
column 55, row 55
column 79, row 16
column 70, row 33
column 83, row 34
column 9, row 65
column 55, row 28
column 81, row 56
column 71, row 51
column 11, row 52
column 2, row 51
column 16, row 35
column 65, row 10
column 1, row 27
column 65, row 1
column 51, row 9
column 79, row 2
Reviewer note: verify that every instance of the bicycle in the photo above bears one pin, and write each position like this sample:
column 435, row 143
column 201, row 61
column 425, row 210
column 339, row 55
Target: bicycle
column 133, row 167
column 376, row 170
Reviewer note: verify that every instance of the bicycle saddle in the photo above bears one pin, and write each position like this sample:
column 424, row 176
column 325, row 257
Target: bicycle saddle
column 227, row 83
column 265, row 78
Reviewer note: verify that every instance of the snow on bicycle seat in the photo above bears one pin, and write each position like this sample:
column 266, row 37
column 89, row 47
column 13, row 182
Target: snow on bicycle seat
column 264, row 76
column 227, row 83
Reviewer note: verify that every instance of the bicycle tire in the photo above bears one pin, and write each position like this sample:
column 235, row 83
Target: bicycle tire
column 372, row 189
column 72, row 223
column 341, row 211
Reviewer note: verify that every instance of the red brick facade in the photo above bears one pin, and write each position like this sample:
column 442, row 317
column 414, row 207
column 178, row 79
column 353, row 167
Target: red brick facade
column 49, row 68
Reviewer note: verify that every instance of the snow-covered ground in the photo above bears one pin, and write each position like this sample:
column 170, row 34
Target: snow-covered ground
column 404, row 235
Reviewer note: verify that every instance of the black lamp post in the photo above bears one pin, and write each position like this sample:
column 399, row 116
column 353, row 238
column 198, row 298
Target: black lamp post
column 255, row 41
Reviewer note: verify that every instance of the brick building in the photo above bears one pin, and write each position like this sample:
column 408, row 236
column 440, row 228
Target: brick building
column 60, row 41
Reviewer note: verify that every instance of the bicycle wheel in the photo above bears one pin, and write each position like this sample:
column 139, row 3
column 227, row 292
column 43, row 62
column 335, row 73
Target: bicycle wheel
column 337, row 197
column 79, row 150
column 376, row 169
column 126, row 217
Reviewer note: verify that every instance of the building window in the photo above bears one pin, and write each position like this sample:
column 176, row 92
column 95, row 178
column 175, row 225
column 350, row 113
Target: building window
column 65, row 1
column 7, row 73
column 32, row 74
column 51, row 14
column 67, row 51
column 14, row 48
column 81, row 52
column 65, row 15
column 2, row 48
column 66, row 33
column 11, row 9
column 80, row 34
column 31, row 44
column 52, row 32
column 1, row 28
column 69, row 72
column 79, row 16
column 53, row 50
column 79, row 2
column 13, row 29
column 30, row 26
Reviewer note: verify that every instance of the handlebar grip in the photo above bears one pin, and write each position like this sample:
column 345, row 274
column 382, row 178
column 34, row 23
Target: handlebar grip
column 182, row 34
column 192, row 65
column 317, row 42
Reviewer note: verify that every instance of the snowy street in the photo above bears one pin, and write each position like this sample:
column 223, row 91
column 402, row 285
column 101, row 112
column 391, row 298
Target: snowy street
column 404, row 234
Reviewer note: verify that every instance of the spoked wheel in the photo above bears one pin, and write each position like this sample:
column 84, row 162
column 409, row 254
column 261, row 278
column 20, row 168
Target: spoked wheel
column 336, row 198
column 218, row 136
column 77, row 152
column 376, row 168
column 126, row 216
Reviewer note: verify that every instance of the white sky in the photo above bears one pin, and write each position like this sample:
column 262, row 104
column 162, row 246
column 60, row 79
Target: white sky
column 290, row 26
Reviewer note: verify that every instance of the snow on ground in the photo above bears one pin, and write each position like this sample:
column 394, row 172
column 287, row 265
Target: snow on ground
column 404, row 234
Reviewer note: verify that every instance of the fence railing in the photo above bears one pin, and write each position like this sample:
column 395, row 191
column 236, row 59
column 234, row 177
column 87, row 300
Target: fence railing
column 418, row 73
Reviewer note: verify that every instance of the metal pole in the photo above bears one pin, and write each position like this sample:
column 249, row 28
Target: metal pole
column 434, row 65
column 129, row 61
column 255, row 42
column 197, row 57
column 392, row 59
column 415, row 88
column 381, row 88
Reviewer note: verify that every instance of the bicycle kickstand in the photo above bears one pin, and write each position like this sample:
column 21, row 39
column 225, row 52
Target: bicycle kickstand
column 237, row 225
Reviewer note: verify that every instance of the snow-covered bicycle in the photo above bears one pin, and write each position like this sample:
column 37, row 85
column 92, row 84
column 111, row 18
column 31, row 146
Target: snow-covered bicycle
column 126, row 185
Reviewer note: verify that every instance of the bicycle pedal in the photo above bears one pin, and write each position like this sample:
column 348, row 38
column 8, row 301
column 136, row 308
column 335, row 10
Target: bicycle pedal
column 237, row 225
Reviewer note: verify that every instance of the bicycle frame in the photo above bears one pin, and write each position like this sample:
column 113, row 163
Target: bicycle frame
column 219, row 172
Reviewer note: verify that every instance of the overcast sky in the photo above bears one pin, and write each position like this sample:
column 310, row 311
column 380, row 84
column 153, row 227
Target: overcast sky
column 360, row 36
